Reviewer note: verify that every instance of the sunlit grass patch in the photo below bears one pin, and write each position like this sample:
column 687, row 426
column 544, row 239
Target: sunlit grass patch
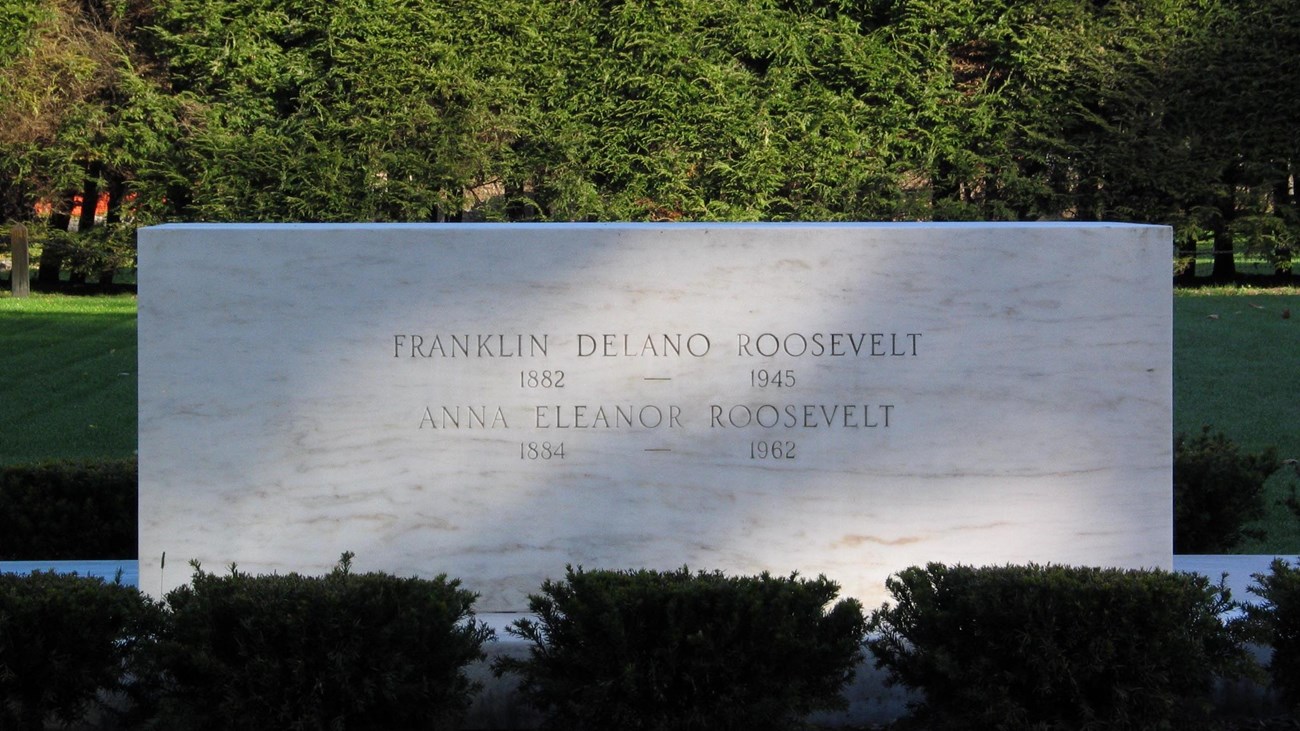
column 67, row 377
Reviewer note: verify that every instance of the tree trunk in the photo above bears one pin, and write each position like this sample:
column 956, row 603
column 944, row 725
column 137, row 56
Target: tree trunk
column 89, row 202
column 116, row 189
column 52, row 256
column 1284, row 207
column 1225, row 260
column 1186, row 253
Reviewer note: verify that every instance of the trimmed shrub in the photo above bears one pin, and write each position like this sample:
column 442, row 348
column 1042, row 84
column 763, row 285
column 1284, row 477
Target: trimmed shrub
column 64, row 643
column 1055, row 647
column 1276, row 623
column 354, row 651
column 676, row 650
column 1217, row 489
column 68, row 511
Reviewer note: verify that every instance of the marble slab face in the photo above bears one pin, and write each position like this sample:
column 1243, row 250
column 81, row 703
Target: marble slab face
column 497, row 401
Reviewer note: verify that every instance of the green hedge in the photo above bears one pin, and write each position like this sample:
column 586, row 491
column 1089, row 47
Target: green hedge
column 64, row 640
column 1217, row 489
column 354, row 651
column 1276, row 624
column 68, row 511
column 676, row 650
column 1053, row 647
column 1044, row 647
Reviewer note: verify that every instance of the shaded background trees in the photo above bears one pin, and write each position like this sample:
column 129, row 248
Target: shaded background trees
column 80, row 116
column 1169, row 111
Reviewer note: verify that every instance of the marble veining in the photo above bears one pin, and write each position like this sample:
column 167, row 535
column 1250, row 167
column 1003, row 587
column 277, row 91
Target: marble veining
column 494, row 402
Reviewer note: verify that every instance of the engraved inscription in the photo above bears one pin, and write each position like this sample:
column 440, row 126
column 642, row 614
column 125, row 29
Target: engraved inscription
column 611, row 345
column 735, row 412
column 607, row 417
column 835, row 345
column 797, row 416
column 517, row 345
column 464, row 417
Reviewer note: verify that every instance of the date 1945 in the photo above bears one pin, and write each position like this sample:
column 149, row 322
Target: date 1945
column 763, row 378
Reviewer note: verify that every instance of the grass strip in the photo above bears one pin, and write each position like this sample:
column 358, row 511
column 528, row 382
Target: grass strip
column 67, row 377
column 1237, row 370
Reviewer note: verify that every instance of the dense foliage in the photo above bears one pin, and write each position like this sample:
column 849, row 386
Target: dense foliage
column 84, row 112
column 676, row 650
column 1217, row 490
column 355, row 651
column 1174, row 111
column 68, row 511
column 1053, row 647
column 1277, row 621
column 64, row 641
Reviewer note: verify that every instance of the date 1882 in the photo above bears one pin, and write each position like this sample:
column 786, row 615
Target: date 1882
column 541, row 379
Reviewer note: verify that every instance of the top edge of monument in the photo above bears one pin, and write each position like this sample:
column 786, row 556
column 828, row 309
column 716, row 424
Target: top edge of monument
column 650, row 225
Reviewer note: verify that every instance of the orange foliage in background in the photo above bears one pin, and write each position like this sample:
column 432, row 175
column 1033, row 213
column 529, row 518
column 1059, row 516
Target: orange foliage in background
column 45, row 208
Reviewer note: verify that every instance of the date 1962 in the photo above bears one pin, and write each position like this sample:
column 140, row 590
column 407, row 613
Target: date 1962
column 775, row 449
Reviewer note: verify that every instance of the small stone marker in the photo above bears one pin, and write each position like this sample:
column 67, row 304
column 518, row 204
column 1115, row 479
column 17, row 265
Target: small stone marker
column 497, row 401
column 19, row 276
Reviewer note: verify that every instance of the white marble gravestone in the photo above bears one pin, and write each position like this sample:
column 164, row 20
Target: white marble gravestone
column 497, row 401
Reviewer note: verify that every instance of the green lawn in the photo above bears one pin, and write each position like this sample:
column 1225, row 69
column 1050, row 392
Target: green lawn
column 67, row 377
column 1237, row 369
column 68, row 383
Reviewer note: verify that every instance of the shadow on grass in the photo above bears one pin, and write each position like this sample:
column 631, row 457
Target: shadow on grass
column 69, row 383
